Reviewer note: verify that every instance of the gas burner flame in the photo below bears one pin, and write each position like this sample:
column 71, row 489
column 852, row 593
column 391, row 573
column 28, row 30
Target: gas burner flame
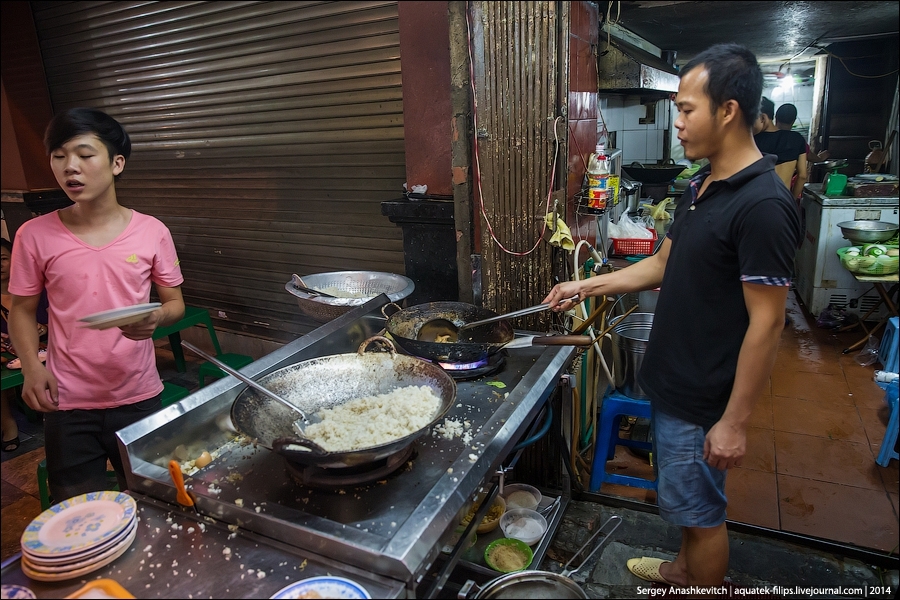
column 463, row 366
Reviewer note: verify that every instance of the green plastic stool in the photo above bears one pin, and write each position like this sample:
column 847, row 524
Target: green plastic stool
column 173, row 393
column 235, row 361
column 44, row 486
column 192, row 316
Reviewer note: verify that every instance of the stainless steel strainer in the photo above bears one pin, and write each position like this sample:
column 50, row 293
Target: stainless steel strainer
column 362, row 285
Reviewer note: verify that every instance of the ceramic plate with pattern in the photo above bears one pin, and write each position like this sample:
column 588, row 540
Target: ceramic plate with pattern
column 39, row 575
column 79, row 524
column 325, row 587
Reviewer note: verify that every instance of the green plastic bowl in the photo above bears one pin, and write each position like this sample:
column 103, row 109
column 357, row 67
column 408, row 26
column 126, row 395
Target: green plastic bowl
column 517, row 544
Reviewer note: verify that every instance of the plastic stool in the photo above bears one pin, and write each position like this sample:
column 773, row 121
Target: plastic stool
column 889, row 443
column 614, row 407
column 235, row 361
column 888, row 353
column 173, row 393
column 44, row 486
column 192, row 316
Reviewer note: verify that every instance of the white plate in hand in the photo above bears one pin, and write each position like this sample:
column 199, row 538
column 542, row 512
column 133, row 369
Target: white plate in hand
column 118, row 317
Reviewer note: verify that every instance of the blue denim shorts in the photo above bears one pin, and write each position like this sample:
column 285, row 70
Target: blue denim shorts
column 690, row 492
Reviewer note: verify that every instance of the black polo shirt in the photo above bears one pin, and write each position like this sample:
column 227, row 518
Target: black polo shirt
column 742, row 229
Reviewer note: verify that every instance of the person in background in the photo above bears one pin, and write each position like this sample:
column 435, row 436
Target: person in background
column 788, row 146
column 93, row 256
column 728, row 256
column 10, row 428
column 784, row 120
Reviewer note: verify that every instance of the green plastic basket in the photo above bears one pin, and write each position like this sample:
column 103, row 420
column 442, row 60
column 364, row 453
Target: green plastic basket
column 869, row 265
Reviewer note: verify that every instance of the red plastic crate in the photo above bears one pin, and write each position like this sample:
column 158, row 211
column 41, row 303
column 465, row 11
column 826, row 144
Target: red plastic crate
column 629, row 246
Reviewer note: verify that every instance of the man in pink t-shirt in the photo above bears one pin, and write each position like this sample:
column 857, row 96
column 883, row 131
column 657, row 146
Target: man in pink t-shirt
column 91, row 257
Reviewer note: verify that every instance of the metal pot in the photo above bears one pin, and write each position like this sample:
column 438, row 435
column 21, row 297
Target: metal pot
column 653, row 173
column 327, row 382
column 403, row 326
column 630, row 336
column 541, row 584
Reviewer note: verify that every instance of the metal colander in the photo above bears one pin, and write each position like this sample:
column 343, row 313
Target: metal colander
column 367, row 284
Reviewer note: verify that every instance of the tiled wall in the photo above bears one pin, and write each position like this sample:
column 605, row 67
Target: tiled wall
column 638, row 141
column 800, row 96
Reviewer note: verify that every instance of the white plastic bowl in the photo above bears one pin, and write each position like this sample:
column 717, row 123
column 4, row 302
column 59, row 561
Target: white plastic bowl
column 509, row 490
column 523, row 524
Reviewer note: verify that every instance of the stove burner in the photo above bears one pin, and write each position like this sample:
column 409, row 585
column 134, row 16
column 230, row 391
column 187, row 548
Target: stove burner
column 463, row 366
column 464, row 371
column 318, row 477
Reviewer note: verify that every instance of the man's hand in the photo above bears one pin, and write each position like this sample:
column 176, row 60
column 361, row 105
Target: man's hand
column 143, row 329
column 39, row 391
column 558, row 298
column 725, row 446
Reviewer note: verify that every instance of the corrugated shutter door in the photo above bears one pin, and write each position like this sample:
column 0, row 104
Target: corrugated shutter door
column 266, row 135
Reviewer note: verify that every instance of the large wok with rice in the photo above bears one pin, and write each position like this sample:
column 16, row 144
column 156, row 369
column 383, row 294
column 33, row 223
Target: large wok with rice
column 329, row 382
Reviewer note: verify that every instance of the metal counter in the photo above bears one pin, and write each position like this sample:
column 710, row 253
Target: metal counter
column 391, row 530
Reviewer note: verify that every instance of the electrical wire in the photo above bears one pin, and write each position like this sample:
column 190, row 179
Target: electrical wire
column 832, row 54
column 481, row 207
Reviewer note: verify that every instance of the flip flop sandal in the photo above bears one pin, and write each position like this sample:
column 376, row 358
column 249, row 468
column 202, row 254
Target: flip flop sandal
column 10, row 445
column 647, row 568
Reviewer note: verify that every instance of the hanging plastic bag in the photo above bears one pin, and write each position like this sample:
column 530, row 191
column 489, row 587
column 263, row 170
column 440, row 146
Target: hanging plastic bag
column 869, row 354
column 628, row 229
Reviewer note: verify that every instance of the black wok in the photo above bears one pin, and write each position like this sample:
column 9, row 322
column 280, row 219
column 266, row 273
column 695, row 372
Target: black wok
column 646, row 173
column 327, row 382
column 475, row 345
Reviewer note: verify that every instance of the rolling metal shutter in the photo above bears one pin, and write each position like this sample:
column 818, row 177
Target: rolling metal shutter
column 265, row 134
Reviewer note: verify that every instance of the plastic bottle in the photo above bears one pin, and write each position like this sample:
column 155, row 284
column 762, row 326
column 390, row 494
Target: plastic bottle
column 598, row 181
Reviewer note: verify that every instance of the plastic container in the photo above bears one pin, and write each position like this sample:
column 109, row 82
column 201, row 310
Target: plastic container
column 598, row 181
column 519, row 545
column 523, row 524
column 869, row 265
column 837, row 182
column 487, row 524
column 516, row 496
column 630, row 246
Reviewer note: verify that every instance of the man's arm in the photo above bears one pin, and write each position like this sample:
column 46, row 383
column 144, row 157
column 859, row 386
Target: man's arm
column 802, row 175
column 39, row 390
column 172, row 310
column 644, row 275
column 726, row 442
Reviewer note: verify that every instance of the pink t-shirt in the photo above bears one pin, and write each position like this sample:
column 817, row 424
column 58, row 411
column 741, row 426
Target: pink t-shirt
column 95, row 369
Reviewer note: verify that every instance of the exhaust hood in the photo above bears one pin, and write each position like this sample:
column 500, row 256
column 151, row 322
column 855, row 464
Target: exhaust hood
column 625, row 68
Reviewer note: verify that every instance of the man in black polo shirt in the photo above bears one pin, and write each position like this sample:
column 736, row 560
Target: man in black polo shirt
column 724, row 272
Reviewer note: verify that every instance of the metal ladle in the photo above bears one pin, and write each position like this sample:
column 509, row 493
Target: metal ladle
column 259, row 388
column 444, row 330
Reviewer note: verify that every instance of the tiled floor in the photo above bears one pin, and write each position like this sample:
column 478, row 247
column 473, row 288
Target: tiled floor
column 811, row 447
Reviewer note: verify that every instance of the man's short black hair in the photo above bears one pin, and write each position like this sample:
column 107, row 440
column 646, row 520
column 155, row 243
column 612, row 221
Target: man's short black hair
column 5, row 243
column 787, row 114
column 767, row 107
column 84, row 121
column 734, row 74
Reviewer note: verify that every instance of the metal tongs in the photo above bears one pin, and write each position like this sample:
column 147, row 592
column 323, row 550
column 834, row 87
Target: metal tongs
column 298, row 283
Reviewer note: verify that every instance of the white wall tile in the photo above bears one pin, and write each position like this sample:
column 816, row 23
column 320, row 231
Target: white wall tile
column 613, row 113
column 634, row 111
column 634, row 146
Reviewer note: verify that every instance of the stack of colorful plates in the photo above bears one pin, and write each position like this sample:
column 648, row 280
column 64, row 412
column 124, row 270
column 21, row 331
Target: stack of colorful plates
column 78, row 536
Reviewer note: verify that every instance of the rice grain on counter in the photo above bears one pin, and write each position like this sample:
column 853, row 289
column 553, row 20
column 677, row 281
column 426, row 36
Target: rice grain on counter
column 375, row 420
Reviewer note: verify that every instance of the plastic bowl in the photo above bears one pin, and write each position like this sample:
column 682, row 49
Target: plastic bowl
column 517, row 544
column 523, row 524
column 514, row 497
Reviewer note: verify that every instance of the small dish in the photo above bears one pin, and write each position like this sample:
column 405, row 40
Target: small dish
column 323, row 587
column 16, row 592
column 110, row 587
column 521, row 495
column 491, row 520
column 519, row 548
column 523, row 524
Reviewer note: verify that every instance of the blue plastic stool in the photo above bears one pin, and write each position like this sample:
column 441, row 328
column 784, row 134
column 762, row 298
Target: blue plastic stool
column 889, row 443
column 614, row 407
column 888, row 354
